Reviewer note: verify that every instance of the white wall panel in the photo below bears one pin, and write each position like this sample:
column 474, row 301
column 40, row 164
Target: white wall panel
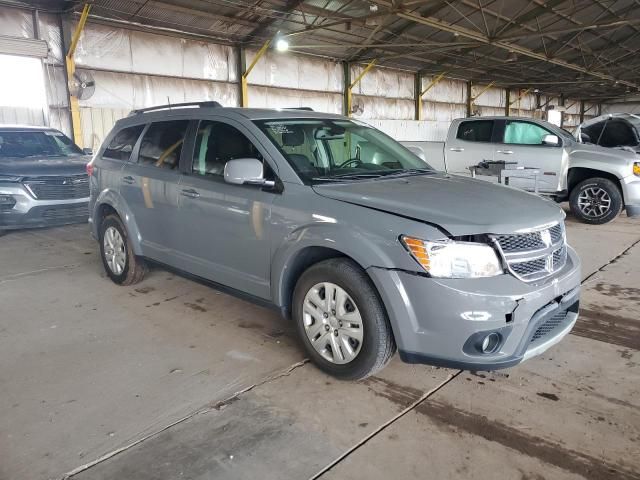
column 383, row 82
column 265, row 97
column 446, row 90
column 15, row 22
column 50, row 32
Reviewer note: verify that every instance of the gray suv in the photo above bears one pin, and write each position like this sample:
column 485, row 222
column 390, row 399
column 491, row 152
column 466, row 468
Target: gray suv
column 360, row 243
column 42, row 178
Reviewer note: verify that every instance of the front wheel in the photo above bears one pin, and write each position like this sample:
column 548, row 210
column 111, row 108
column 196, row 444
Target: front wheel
column 341, row 320
column 119, row 261
column 596, row 201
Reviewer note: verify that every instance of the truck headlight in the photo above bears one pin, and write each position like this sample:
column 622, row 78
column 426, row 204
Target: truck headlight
column 636, row 168
column 450, row 259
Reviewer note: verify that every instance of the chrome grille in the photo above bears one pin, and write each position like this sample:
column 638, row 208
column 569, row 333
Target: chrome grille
column 58, row 187
column 534, row 255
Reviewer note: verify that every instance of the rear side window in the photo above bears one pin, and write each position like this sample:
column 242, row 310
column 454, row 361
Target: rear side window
column 617, row 133
column 475, row 131
column 122, row 143
column 162, row 144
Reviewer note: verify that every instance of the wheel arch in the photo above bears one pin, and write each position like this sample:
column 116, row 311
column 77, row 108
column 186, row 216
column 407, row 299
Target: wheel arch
column 579, row 174
column 111, row 202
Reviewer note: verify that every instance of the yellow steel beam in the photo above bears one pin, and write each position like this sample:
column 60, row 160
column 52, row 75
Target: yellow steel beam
column 434, row 81
column 481, row 92
column 517, row 100
column 244, row 79
column 70, row 65
column 355, row 82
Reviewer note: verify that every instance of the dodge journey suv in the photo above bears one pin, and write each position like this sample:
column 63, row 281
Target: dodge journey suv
column 360, row 243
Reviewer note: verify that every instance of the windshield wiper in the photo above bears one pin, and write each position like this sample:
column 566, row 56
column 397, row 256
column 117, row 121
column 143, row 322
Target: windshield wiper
column 408, row 171
column 347, row 176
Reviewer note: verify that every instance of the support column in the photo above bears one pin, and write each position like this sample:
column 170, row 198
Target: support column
column 70, row 65
column 507, row 102
column 244, row 82
column 581, row 111
column 346, row 69
column 417, row 95
column 469, row 99
column 349, row 97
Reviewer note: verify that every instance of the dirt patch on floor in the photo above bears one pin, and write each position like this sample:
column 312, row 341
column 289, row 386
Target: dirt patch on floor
column 608, row 328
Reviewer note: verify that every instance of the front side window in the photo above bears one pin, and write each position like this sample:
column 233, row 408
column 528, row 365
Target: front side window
column 162, row 144
column 524, row 133
column 36, row 143
column 121, row 145
column 216, row 144
column 321, row 150
column 475, row 131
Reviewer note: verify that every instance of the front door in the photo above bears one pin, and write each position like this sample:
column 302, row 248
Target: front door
column 471, row 145
column 225, row 228
column 150, row 187
column 522, row 143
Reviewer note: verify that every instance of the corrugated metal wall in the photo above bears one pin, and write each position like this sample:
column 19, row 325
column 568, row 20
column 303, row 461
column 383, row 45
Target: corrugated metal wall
column 134, row 69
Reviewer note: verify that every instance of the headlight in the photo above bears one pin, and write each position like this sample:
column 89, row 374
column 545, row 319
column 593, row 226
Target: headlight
column 636, row 168
column 449, row 259
column 9, row 178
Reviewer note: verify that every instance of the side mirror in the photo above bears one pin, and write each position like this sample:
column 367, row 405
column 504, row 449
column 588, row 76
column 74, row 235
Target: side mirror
column 551, row 140
column 246, row 171
column 87, row 151
column 584, row 138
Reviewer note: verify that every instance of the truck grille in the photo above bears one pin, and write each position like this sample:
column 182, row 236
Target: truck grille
column 60, row 212
column 58, row 187
column 535, row 255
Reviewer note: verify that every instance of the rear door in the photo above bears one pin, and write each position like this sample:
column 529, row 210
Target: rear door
column 225, row 229
column 521, row 142
column 470, row 144
column 150, row 187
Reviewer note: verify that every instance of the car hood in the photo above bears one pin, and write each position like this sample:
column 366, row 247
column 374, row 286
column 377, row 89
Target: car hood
column 460, row 205
column 617, row 155
column 34, row 166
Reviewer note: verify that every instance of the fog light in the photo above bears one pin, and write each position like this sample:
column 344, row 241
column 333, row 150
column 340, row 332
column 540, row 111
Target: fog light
column 490, row 343
column 7, row 202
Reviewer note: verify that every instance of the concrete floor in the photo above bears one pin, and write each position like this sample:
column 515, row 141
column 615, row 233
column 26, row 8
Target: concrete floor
column 170, row 379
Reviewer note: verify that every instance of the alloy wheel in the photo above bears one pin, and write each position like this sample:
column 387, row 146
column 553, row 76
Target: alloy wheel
column 333, row 323
column 114, row 250
column 594, row 202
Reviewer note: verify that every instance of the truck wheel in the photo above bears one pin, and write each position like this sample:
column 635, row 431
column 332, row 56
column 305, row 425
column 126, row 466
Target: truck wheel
column 341, row 320
column 119, row 261
column 596, row 201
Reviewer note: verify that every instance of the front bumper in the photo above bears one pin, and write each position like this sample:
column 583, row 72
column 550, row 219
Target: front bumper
column 29, row 212
column 442, row 321
column 631, row 193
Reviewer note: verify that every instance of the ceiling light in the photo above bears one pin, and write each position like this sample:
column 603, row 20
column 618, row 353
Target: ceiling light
column 282, row 45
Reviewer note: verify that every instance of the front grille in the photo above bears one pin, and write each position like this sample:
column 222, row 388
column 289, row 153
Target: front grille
column 58, row 187
column 550, row 325
column 62, row 212
column 535, row 255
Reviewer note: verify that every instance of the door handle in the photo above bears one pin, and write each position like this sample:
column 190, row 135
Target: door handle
column 457, row 149
column 128, row 180
column 505, row 152
column 191, row 193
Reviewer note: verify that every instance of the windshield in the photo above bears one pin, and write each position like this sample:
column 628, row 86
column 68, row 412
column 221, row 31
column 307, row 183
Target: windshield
column 326, row 150
column 36, row 143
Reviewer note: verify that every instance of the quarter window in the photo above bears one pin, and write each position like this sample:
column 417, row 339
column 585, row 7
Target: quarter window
column 122, row 143
column 475, row 131
column 162, row 144
column 216, row 144
column 524, row 133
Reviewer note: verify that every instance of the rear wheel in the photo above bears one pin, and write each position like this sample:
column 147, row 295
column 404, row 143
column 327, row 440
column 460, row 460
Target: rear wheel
column 119, row 261
column 341, row 320
column 596, row 201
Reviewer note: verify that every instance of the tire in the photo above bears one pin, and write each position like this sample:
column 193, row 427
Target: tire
column 376, row 345
column 131, row 269
column 596, row 201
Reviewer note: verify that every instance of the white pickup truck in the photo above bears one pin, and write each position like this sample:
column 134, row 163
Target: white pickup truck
column 598, row 182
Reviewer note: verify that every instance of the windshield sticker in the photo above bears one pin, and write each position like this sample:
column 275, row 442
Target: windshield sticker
column 279, row 128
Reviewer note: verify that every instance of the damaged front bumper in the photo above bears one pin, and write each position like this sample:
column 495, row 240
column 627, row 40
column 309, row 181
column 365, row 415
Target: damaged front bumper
column 444, row 321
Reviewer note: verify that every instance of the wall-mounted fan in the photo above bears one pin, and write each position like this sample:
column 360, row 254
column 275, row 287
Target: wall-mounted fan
column 357, row 109
column 82, row 85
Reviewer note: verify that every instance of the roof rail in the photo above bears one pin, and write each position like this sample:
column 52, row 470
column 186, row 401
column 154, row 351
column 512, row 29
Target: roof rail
column 176, row 105
column 306, row 109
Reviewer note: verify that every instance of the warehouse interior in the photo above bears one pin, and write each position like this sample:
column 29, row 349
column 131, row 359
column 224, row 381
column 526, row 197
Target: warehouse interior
column 174, row 379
